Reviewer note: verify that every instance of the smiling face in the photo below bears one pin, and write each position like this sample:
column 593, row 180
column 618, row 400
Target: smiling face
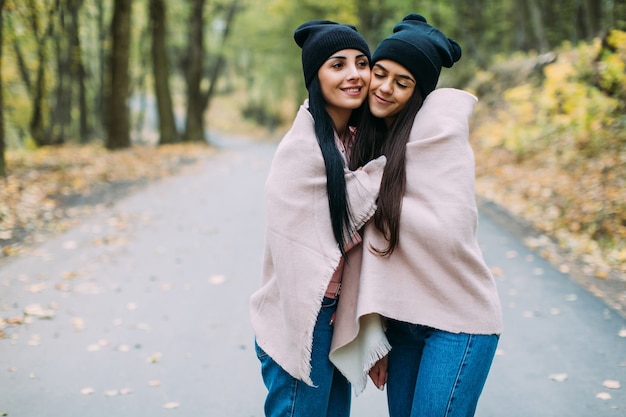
column 391, row 87
column 344, row 79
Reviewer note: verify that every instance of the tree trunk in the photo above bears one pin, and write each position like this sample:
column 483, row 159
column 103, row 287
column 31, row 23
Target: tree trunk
column 138, row 83
column 102, row 62
column 21, row 64
column 194, row 126
column 536, row 23
column 118, row 124
column 593, row 17
column 78, row 71
column 161, row 72
column 221, row 60
column 39, row 87
column 60, row 113
column 3, row 168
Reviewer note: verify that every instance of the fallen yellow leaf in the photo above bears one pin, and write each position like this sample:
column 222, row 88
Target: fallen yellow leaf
column 611, row 384
column 37, row 310
column 154, row 358
column 217, row 279
column 602, row 275
column 78, row 324
column 70, row 244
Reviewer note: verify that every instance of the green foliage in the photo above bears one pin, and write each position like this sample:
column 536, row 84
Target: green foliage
column 575, row 107
column 564, row 130
column 612, row 77
column 261, row 57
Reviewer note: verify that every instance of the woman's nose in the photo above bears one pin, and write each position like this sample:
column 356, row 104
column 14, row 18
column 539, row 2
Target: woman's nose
column 386, row 87
column 353, row 72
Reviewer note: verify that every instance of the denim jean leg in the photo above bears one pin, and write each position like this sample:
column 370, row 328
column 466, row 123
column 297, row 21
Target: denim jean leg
column 288, row 396
column 407, row 341
column 330, row 384
column 452, row 374
column 281, row 386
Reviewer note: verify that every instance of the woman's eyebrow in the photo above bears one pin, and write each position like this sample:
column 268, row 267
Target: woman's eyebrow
column 406, row 77
column 345, row 57
column 380, row 66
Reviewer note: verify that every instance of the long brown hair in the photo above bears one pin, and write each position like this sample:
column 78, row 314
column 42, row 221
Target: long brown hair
column 374, row 139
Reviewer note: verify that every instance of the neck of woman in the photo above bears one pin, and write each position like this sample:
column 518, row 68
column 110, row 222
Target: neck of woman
column 340, row 119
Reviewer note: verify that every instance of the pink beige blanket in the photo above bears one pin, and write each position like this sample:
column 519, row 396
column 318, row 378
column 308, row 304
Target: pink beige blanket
column 436, row 276
column 301, row 253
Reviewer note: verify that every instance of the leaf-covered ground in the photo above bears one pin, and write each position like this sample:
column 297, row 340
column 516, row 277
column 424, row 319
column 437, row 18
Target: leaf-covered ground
column 531, row 193
column 48, row 190
column 550, row 140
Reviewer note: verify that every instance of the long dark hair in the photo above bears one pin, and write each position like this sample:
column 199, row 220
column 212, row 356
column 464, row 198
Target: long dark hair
column 374, row 139
column 340, row 213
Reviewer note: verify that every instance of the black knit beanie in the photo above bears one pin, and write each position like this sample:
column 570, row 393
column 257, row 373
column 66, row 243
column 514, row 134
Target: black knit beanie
column 319, row 39
column 420, row 48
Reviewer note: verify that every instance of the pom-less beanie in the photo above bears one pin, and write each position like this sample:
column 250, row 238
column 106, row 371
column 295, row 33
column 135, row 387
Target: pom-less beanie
column 319, row 39
column 420, row 48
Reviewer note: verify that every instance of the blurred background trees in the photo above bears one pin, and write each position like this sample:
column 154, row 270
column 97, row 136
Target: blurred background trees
column 84, row 70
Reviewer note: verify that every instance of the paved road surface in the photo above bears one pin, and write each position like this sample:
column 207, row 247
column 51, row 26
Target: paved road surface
column 141, row 311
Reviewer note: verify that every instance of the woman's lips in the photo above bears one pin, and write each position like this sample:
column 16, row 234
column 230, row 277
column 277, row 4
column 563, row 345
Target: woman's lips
column 354, row 91
column 381, row 100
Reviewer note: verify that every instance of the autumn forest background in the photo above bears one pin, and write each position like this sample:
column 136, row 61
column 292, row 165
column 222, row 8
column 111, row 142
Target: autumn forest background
column 100, row 96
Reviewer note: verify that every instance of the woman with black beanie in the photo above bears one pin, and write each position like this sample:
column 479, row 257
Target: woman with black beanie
column 421, row 267
column 314, row 208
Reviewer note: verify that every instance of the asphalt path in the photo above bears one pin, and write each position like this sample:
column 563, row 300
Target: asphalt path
column 142, row 310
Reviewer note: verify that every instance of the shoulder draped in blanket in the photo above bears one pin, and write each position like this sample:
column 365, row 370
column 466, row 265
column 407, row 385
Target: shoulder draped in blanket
column 301, row 253
column 436, row 276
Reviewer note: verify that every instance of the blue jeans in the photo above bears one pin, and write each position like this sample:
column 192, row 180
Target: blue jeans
column 288, row 396
column 433, row 373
